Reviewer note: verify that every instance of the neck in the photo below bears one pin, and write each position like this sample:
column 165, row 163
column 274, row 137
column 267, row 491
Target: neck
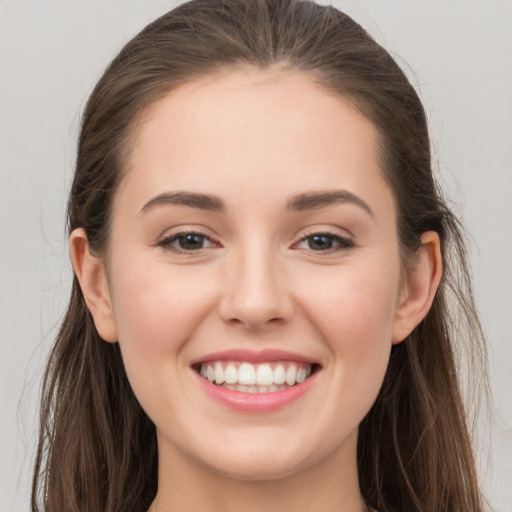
column 186, row 485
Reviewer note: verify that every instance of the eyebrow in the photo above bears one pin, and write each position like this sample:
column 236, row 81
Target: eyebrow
column 190, row 199
column 313, row 200
column 299, row 202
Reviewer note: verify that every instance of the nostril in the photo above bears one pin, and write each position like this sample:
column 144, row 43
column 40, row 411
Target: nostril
column 255, row 324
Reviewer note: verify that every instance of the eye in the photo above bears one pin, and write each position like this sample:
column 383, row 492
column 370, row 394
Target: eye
column 325, row 242
column 187, row 242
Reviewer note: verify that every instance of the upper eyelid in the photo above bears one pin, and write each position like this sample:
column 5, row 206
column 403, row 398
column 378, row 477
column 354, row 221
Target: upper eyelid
column 328, row 228
column 187, row 230
column 327, row 234
column 175, row 236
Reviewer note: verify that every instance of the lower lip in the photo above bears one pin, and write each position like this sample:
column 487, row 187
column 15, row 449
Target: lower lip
column 255, row 402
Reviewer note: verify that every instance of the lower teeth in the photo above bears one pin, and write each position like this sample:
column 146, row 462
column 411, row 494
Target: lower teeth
column 255, row 389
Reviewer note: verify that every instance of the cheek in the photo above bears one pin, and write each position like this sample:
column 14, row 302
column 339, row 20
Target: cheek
column 355, row 314
column 157, row 310
column 355, row 307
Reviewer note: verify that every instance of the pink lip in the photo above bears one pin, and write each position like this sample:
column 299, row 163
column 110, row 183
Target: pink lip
column 255, row 402
column 252, row 356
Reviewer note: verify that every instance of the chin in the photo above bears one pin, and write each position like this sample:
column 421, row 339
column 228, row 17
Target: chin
column 258, row 469
column 265, row 460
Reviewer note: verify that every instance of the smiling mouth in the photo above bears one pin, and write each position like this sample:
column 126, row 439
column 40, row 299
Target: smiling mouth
column 255, row 378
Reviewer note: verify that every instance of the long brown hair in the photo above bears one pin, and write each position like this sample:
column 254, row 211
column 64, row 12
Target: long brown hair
column 97, row 448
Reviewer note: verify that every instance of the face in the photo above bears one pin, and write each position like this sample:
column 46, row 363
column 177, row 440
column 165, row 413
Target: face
column 254, row 273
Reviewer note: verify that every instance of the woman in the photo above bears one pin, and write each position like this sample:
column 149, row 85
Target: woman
column 259, row 318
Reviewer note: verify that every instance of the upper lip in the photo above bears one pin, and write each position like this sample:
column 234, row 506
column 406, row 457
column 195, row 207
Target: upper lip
column 253, row 356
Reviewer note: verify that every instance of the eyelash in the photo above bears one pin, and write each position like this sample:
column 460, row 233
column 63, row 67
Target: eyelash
column 342, row 243
column 167, row 243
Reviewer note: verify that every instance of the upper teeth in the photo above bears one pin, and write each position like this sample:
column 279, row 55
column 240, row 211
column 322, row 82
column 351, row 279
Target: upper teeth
column 266, row 374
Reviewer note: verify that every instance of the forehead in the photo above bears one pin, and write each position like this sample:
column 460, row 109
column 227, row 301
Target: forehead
column 241, row 128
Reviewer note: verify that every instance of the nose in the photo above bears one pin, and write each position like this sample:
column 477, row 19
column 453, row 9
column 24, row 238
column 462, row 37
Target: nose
column 256, row 292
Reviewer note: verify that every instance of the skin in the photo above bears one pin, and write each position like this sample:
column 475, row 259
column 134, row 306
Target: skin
column 254, row 139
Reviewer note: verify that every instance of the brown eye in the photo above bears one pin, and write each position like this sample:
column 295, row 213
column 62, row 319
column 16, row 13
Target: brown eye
column 191, row 242
column 325, row 242
column 320, row 242
column 186, row 242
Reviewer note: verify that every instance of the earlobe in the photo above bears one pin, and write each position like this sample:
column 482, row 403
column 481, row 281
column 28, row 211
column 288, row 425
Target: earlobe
column 422, row 282
column 90, row 272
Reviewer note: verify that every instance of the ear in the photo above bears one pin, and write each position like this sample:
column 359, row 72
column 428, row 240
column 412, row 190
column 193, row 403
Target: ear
column 420, row 287
column 90, row 271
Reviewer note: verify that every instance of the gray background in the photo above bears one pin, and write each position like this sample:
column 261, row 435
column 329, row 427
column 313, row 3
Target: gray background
column 458, row 53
